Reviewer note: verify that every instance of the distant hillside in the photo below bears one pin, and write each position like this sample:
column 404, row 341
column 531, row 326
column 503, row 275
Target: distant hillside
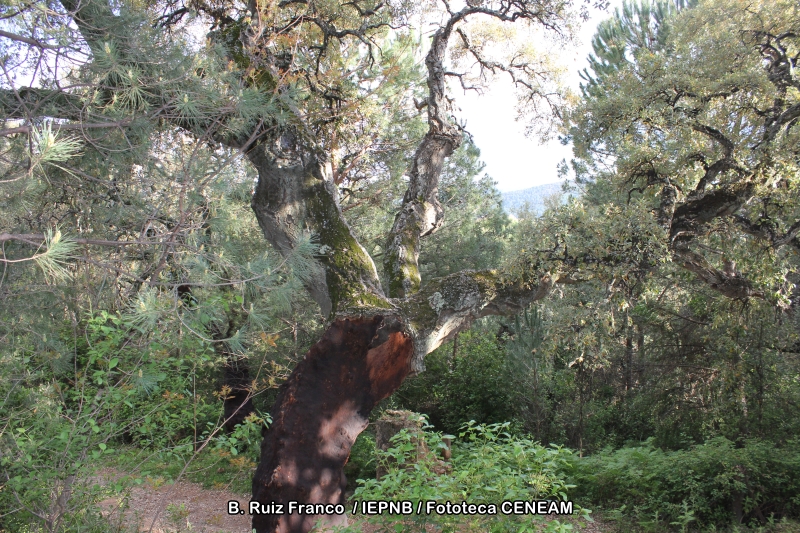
column 534, row 196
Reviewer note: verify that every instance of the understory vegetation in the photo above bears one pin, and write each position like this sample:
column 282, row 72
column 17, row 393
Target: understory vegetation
column 489, row 466
column 146, row 324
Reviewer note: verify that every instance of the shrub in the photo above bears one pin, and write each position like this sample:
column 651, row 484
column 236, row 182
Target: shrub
column 361, row 464
column 64, row 413
column 710, row 485
column 470, row 384
column 488, row 466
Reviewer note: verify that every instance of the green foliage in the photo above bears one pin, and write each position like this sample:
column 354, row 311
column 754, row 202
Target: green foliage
column 660, row 129
column 488, row 465
column 57, row 424
column 226, row 462
column 123, row 182
column 462, row 382
column 362, row 463
column 476, row 230
column 639, row 27
column 713, row 484
column 64, row 413
column 246, row 437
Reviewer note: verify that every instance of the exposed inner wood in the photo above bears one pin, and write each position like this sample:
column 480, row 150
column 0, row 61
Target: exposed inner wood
column 319, row 412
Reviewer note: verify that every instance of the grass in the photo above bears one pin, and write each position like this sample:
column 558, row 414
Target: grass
column 213, row 469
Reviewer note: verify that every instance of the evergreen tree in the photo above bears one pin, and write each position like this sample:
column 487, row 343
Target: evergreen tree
column 639, row 27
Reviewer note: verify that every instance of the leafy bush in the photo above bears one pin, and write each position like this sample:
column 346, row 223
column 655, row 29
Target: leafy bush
column 488, row 465
column 66, row 411
column 361, row 464
column 709, row 485
column 57, row 424
column 469, row 383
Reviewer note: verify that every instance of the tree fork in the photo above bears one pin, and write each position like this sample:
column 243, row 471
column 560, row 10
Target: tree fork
column 319, row 412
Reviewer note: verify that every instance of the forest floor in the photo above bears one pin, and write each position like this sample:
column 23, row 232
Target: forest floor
column 175, row 508
column 185, row 507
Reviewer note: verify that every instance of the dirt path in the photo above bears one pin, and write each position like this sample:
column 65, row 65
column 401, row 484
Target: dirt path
column 176, row 507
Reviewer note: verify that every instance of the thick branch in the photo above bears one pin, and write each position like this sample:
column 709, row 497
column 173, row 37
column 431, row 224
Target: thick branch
column 787, row 118
column 94, row 18
column 421, row 212
column 765, row 230
column 29, row 102
column 291, row 199
column 451, row 304
column 37, row 239
column 27, row 40
column 729, row 283
column 60, row 127
column 691, row 218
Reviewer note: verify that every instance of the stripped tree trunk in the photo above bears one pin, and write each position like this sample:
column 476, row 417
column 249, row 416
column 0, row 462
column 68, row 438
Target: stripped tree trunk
column 320, row 411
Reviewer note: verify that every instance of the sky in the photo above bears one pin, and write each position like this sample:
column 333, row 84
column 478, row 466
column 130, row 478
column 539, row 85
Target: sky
column 514, row 161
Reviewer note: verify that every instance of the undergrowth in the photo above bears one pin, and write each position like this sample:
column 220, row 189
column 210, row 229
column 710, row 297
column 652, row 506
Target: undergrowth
column 488, row 466
column 715, row 486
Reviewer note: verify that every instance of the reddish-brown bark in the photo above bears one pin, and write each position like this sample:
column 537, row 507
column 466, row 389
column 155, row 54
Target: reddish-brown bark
column 320, row 411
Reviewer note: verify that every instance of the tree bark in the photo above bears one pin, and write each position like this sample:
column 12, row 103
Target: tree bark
column 319, row 412
column 360, row 360
column 238, row 403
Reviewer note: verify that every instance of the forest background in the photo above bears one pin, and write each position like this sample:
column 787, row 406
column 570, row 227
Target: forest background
column 147, row 325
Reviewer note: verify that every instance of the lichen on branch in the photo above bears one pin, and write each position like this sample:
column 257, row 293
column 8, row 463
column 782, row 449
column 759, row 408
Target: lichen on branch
column 448, row 305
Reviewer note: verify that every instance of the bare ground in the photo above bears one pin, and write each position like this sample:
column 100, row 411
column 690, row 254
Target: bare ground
column 176, row 507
